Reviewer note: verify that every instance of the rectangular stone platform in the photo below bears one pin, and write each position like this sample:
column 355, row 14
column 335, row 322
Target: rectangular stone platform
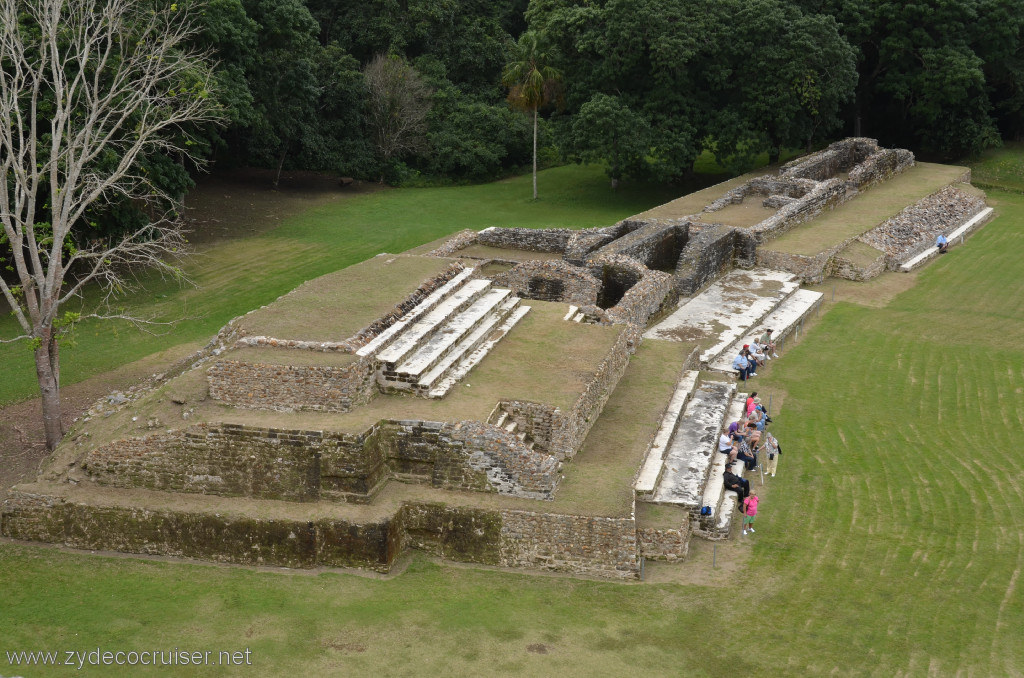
column 690, row 452
column 786, row 318
column 650, row 472
column 726, row 310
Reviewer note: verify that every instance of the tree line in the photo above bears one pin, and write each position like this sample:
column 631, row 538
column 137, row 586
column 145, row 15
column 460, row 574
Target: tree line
column 395, row 90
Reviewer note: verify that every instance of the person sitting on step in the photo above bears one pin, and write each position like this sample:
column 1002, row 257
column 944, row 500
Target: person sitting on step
column 768, row 343
column 759, row 353
column 741, row 365
column 751, row 361
column 741, row 486
column 749, row 406
column 942, row 243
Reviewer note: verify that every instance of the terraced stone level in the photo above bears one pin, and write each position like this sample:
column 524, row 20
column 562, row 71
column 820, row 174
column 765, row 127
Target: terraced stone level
column 726, row 310
column 691, row 449
column 447, row 337
column 650, row 472
column 722, row 502
column 784, row 320
column 421, row 330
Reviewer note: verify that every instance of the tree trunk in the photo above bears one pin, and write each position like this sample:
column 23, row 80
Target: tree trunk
column 280, row 164
column 48, row 375
column 535, row 154
column 773, row 155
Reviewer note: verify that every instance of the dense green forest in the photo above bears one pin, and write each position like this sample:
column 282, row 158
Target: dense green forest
column 411, row 90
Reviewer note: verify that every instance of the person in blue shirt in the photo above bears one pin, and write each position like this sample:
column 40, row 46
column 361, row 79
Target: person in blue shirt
column 741, row 365
column 941, row 243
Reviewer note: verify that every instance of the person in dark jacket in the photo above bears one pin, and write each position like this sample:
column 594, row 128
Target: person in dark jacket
column 741, row 486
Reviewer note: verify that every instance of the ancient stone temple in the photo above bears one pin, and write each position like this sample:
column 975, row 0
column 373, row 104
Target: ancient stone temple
column 546, row 399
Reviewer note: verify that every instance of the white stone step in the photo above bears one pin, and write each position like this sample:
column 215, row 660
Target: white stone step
column 713, row 491
column 724, row 311
column 571, row 313
column 465, row 347
column 960, row 232
column 415, row 334
column 692, row 448
column 474, row 358
column 783, row 321
column 425, row 306
column 650, row 472
column 447, row 338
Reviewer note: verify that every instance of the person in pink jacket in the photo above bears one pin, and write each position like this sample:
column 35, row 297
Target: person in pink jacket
column 749, row 512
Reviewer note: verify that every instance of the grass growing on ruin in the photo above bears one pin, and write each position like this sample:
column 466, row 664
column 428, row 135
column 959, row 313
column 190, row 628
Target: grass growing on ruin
column 865, row 211
column 891, row 542
column 239, row 275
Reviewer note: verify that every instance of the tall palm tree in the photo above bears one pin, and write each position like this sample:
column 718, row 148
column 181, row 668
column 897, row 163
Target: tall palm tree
column 532, row 82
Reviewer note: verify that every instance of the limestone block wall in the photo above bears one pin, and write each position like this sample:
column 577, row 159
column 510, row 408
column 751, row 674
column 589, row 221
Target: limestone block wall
column 708, row 254
column 534, row 240
column 824, row 195
column 550, row 281
column 652, row 293
column 323, row 388
column 839, row 157
column 915, row 228
column 583, row 243
column 233, row 460
column 452, row 245
column 225, row 459
column 571, row 427
column 220, row 537
column 469, row 455
column 881, row 165
column 597, row 546
column 655, row 244
column 841, row 267
column 537, row 420
column 663, row 544
column 810, row 269
column 587, row 545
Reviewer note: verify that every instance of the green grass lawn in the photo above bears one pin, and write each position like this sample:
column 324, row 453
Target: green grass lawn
column 1001, row 168
column 237, row 276
column 890, row 544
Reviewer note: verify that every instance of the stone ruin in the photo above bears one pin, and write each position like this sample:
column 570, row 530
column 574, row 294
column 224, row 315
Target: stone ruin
column 414, row 421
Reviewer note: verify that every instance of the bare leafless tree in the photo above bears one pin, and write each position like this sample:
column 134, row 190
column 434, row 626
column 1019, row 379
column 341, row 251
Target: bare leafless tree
column 88, row 88
column 398, row 104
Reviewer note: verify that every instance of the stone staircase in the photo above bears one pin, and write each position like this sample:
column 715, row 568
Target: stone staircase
column 717, row 525
column 504, row 420
column 683, row 466
column 439, row 341
column 689, row 452
column 788, row 317
column 727, row 310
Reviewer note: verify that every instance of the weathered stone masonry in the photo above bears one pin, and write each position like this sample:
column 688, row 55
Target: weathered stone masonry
column 233, row 460
column 588, row 545
column 323, row 388
column 550, row 281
